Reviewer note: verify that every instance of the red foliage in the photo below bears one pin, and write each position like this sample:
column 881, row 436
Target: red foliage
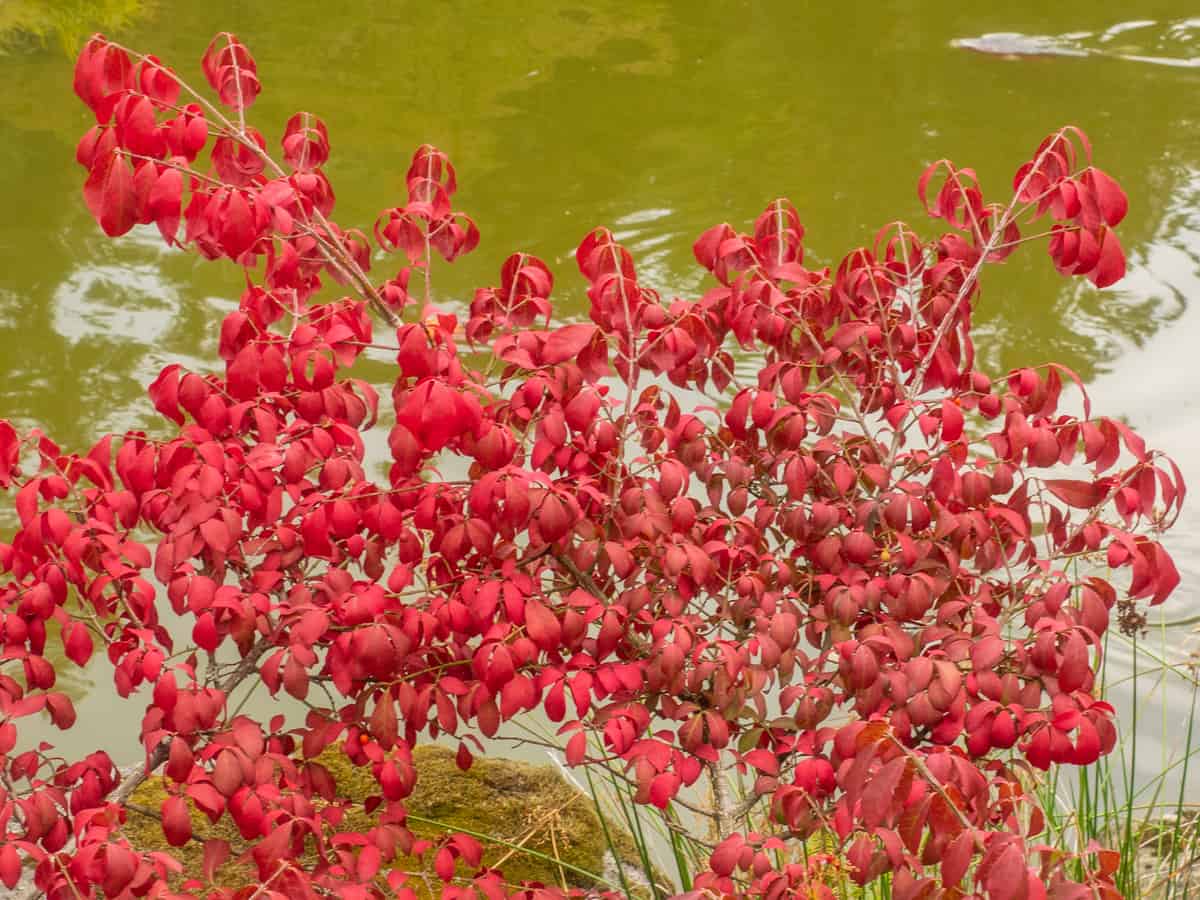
column 857, row 582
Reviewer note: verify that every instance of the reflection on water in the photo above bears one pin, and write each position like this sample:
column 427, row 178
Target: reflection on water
column 1143, row 41
column 114, row 303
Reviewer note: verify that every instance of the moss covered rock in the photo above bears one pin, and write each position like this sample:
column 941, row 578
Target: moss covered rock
column 539, row 827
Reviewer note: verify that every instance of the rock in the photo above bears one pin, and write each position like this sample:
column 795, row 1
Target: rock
column 543, row 828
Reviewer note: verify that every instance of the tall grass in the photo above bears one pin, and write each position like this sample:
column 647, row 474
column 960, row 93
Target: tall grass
column 1153, row 824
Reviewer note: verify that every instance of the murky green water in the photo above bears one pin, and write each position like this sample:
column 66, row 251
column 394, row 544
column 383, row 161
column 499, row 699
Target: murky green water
column 658, row 119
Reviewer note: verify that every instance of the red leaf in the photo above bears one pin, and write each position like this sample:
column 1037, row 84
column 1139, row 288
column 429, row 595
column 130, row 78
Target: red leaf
column 230, row 70
column 764, row 761
column 469, row 849
column 542, row 625
column 61, row 710
column 383, row 721
column 208, row 799
column 109, row 195
column 1087, row 744
column 179, row 760
column 164, row 203
column 1167, row 576
column 952, row 421
column 1109, row 197
column 923, row 183
column 957, row 858
column 137, row 130
column 880, row 791
column 444, row 864
column 1007, row 877
column 157, row 81
column 463, row 758
column 1079, row 494
column 1110, row 268
column 269, row 850
column 238, row 231
column 576, row 748
column 205, row 633
column 553, row 519
column 227, row 773
column 10, row 866
column 177, row 824
column 216, row 535
column 431, row 164
column 164, row 391
column 663, row 788
column 101, row 72
column 77, row 643
column 567, row 342
column 10, row 452
column 725, row 857
column 120, row 867
column 707, row 247
column 1074, row 669
column 216, row 851
column 295, row 678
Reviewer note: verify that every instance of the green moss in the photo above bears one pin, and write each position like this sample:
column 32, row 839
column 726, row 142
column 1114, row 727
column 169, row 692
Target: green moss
column 530, row 811
column 532, row 806
column 144, row 831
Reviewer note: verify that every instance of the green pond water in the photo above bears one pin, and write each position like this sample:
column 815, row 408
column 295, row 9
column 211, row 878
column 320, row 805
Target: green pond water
column 659, row 120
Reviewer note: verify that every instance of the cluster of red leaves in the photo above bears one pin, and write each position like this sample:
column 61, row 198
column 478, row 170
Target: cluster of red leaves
column 852, row 583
